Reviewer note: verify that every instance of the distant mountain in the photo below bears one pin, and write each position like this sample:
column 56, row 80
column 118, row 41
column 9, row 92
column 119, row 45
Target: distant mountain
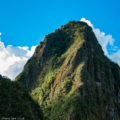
column 71, row 78
column 15, row 103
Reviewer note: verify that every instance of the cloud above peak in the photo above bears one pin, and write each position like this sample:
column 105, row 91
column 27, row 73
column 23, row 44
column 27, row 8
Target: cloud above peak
column 13, row 59
column 87, row 21
column 104, row 41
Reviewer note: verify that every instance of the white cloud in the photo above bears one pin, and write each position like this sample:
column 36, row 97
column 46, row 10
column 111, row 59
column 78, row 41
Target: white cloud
column 115, row 57
column 13, row 59
column 87, row 21
column 104, row 41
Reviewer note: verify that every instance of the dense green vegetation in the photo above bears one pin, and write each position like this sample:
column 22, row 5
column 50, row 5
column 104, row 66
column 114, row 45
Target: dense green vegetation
column 71, row 78
column 15, row 103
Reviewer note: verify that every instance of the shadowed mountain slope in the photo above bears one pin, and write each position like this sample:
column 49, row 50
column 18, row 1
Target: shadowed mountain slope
column 71, row 78
column 15, row 103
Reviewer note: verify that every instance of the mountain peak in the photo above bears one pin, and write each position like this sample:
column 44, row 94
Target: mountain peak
column 70, row 76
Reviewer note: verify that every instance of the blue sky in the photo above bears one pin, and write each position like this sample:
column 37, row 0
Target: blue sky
column 24, row 23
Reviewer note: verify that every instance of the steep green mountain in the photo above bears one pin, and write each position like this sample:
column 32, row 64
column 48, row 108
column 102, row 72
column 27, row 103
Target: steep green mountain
column 71, row 78
column 15, row 103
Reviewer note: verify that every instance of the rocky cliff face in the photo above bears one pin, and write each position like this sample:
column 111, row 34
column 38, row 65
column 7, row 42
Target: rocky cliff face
column 15, row 103
column 71, row 78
